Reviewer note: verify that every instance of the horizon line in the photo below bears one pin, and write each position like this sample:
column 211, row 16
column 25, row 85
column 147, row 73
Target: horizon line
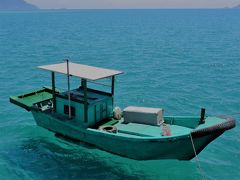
column 177, row 8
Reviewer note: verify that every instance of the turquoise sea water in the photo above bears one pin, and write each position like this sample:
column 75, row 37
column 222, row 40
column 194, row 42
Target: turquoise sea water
column 180, row 60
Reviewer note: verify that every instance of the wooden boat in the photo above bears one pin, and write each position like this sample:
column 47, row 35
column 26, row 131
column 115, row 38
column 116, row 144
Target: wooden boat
column 88, row 115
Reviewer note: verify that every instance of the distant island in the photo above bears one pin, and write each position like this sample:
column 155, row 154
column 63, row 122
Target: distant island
column 16, row 5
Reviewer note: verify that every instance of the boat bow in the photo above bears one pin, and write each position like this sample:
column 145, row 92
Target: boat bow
column 228, row 123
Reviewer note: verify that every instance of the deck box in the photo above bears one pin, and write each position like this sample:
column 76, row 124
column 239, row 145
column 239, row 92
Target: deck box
column 143, row 115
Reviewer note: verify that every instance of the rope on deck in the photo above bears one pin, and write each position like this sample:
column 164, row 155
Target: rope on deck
column 197, row 160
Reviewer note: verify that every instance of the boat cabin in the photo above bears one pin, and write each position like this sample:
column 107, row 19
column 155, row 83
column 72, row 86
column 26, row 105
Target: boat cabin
column 83, row 104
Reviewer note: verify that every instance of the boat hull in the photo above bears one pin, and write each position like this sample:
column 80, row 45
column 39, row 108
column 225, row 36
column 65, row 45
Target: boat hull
column 141, row 149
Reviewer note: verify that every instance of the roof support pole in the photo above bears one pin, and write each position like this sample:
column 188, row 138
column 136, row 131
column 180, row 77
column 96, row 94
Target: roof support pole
column 112, row 91
column 53, row 92
column 84, row 84
column 69, row 95
column 113, row 84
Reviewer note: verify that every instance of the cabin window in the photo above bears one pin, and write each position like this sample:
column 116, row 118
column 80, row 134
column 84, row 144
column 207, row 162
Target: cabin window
column 66, row 110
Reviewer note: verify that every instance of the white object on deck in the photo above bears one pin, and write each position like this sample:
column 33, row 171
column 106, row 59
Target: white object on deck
column 143, row 115
column 117, row 113
column 82, row 71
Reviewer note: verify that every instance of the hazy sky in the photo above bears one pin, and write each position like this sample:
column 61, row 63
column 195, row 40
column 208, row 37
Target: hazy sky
column 83, row 4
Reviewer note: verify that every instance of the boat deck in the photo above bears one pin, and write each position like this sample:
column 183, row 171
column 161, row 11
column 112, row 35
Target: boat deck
column 145, row 130
column 131, row 129
column 27, row 100
column 210, row 121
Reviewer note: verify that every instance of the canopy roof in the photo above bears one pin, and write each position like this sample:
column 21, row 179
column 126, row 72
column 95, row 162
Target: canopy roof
column 82, row 71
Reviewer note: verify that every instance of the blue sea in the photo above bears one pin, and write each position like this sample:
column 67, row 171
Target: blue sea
column 180, row 60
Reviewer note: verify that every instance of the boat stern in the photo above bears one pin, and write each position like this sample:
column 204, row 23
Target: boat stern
column 38, row 97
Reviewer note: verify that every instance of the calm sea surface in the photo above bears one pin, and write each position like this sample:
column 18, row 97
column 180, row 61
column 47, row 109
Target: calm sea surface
column 180, row 60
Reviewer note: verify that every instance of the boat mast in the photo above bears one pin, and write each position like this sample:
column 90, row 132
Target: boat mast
column 69, row 95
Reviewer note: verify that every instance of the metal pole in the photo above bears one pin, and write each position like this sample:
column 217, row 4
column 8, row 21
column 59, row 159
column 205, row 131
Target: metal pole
column 113, row 79
column 84, row 83
column 69, row 95
column 202, row 118
column 53, row 92
column 112, row 90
